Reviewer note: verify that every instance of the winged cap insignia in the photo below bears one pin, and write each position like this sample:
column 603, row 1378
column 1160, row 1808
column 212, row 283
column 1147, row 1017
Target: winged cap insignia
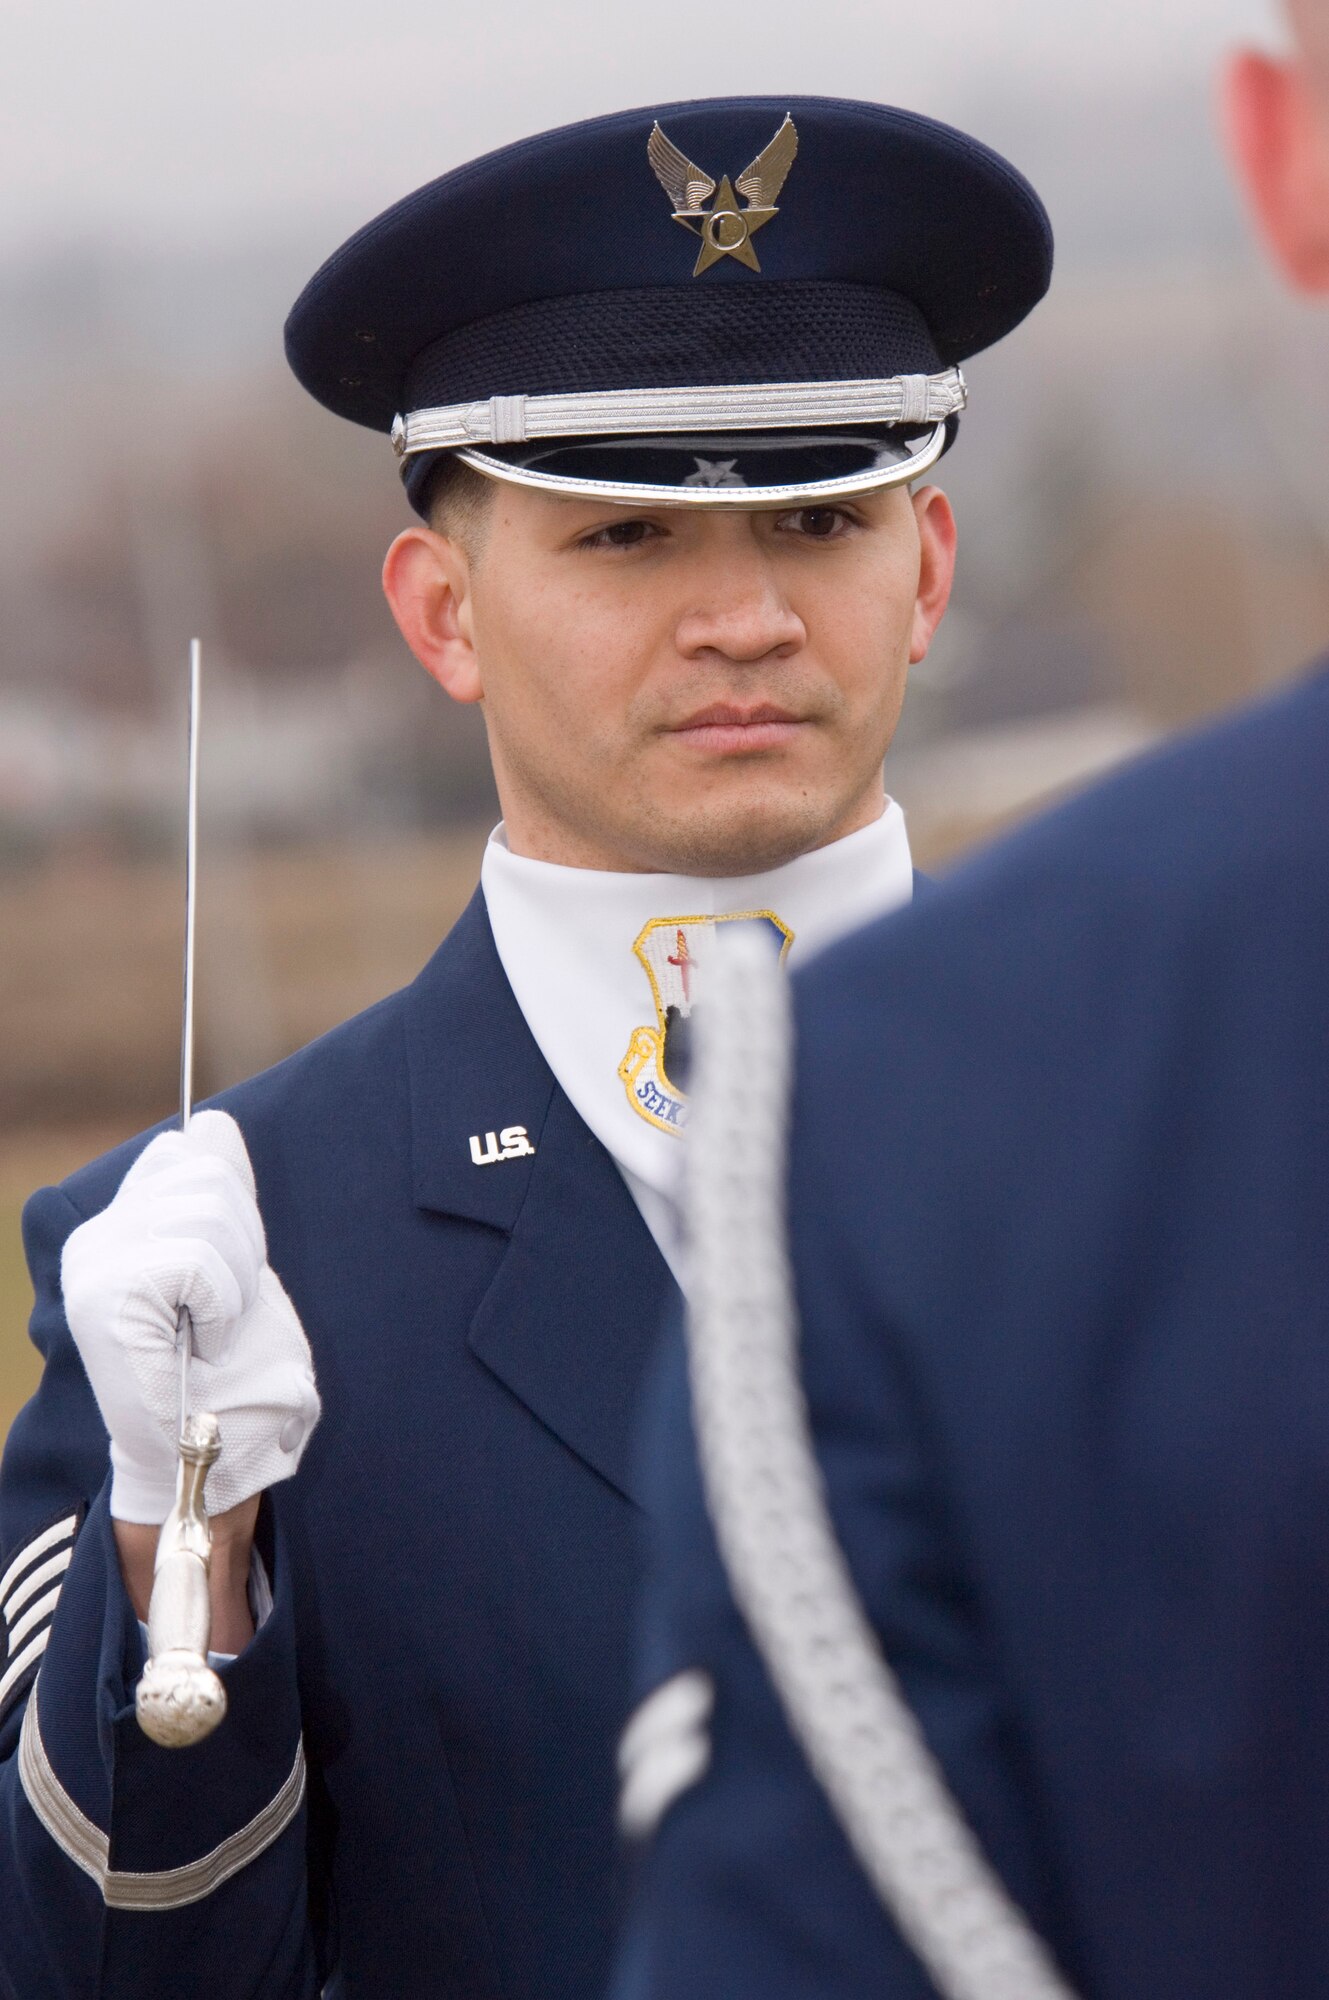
column 725, row 229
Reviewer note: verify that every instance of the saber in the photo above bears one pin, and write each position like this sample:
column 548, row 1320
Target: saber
column 766, row 1499
column 180, row 1700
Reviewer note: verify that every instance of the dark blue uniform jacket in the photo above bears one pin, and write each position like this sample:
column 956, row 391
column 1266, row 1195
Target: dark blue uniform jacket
column 1060, row 1200
column 413, row 1792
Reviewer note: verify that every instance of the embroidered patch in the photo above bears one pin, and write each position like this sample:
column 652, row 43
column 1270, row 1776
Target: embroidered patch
column 673, row 953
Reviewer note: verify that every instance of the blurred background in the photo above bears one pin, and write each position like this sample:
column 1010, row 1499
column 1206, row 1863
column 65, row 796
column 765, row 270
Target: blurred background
column 1142, row 484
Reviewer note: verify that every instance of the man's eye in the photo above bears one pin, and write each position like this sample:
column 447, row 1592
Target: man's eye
column 819, row 524
column 621, row 535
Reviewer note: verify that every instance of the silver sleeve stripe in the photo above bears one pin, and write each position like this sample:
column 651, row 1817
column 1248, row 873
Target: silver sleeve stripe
column 61, row 1531
column 920, row 400
column 675, row 1708
column 665, row 1749
column 19, row 1665
column 23, row 1592
column 32, row 1617
column 26, row 1612
column 660, row 1776
column 162, row 1889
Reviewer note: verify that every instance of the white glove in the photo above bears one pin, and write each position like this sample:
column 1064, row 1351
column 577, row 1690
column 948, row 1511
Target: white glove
column 184, row 1230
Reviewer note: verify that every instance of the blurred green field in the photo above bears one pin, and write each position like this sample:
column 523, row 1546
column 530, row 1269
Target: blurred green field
column 18, row 1363
column 27, row 1162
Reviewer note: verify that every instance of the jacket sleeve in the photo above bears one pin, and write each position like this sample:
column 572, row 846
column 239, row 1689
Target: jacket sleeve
column 128, row 1870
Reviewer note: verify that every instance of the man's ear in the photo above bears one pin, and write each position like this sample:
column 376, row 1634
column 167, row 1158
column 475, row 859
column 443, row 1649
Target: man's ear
column 1278, row 139
column 936, row 566
column 427, row 582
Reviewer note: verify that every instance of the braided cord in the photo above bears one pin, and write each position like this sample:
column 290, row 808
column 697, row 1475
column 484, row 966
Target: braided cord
column 919, row 400
column 766, row 1499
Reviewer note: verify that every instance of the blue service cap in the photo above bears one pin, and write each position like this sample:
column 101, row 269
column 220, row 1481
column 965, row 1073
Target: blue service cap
column 734, row 302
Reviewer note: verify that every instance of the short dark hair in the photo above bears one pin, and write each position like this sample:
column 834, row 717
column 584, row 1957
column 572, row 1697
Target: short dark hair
column 459, row 502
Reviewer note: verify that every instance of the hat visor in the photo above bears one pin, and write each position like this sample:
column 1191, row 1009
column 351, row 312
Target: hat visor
column 696, row 472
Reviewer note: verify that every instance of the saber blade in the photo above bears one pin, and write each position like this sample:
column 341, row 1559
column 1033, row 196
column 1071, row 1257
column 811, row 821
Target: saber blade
column 179, row 1699
column 184, row 1332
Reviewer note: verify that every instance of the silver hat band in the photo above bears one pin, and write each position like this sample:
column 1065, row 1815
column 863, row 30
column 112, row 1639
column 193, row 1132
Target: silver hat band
column 801, row 493
column 761, row 406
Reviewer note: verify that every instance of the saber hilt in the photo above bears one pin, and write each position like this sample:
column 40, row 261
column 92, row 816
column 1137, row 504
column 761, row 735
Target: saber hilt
column 180, row 1699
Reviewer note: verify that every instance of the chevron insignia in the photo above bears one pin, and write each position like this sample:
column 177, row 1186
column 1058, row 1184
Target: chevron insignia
column 29, row 1592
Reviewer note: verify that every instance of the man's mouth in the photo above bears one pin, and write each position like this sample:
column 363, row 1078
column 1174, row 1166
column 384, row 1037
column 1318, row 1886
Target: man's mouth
column 731, row 726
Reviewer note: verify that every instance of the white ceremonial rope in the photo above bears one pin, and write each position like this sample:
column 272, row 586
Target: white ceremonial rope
column 768, row 1505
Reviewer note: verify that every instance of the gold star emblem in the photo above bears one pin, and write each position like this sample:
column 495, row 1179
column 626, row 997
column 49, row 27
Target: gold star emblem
column 725, row 229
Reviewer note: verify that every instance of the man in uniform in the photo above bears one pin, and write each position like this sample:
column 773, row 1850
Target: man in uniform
column 663, row 388
column 1059, row 1204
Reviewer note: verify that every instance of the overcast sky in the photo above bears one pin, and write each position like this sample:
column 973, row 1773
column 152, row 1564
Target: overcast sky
column 169, row 120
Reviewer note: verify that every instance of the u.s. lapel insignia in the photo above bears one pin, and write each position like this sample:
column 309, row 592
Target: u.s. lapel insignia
column 725, row 229
column 509, row 1144
column 673, row 953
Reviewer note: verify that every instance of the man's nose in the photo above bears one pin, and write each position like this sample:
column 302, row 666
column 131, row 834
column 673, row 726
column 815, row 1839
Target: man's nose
column 738, row 609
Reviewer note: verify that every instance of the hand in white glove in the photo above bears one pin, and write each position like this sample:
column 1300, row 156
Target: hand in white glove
column 184, row 1230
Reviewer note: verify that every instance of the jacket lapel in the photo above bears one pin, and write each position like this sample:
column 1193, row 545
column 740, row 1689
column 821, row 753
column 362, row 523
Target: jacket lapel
column 474, row 1069
column 571, row 1318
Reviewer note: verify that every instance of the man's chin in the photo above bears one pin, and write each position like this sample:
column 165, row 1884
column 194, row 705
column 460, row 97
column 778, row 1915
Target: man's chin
column 745, row 838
